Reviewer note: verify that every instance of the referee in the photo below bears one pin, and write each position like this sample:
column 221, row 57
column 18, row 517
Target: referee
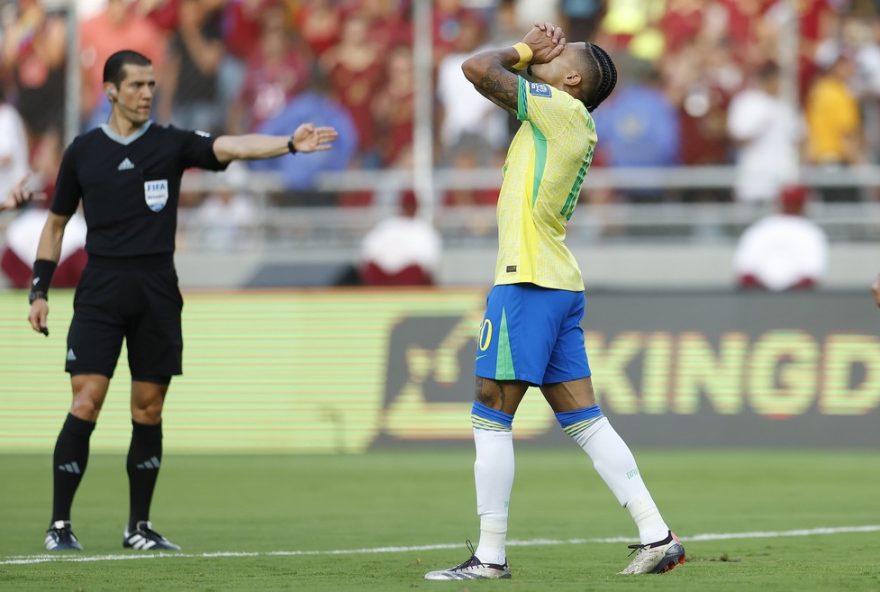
column 127, row 174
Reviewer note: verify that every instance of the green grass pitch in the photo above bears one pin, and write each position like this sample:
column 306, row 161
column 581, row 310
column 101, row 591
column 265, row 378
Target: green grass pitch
column 252, row 506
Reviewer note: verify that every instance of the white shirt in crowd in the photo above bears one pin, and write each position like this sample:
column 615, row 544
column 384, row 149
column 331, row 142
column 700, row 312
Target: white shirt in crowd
column 13, row 149
column 465, row 110
column 782, row 250
column 23, row 235
column 768, row 131
column 397, row 243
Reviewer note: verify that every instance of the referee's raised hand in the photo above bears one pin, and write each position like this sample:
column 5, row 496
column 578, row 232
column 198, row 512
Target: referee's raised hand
column 308, row 138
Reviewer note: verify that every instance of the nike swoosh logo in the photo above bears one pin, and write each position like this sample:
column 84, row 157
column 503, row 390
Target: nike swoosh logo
column 480, row 357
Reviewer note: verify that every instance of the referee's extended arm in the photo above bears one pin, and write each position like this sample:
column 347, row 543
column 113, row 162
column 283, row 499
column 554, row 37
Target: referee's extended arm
column 48, row 254
column 306, row 138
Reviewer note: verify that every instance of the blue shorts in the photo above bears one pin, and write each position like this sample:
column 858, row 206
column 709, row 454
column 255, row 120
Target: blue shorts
column 532, row 334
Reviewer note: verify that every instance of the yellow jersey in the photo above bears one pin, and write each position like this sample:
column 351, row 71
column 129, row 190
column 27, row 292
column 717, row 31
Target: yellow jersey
column 832, row 114
column 543, row 173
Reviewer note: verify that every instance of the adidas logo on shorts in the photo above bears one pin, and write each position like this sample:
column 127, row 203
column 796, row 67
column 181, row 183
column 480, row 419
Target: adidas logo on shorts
column 71, row 357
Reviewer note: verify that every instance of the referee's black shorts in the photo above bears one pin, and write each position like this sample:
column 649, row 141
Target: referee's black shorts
column 135, row 298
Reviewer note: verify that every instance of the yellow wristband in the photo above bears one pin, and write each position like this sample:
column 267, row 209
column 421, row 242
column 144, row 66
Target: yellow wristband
column 525, row 55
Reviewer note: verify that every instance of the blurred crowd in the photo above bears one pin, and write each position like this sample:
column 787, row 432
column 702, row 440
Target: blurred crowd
column 701, row 81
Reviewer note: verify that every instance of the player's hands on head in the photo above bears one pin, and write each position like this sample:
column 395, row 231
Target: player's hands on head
column 24, row 191
column 38, row 315
column 546, row 41
column 308, row 138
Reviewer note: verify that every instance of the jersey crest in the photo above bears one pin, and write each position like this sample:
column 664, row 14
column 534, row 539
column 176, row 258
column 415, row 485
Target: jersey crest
column 156, row 194
column 539, row 89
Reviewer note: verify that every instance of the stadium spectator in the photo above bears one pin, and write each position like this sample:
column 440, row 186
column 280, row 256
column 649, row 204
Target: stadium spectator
column 13, row 146
column 681, row 23
column 120, row 25
column 767, row 131
column 316, row 105
column 832, row 113
column 164, row 14
column 241, row 28
column 275, row 73
column 403, row 250
column 227, row 216
column 700, row 48
column 319, row 22
column 128, row 175
column 394, row 105
column 243, row 22
column 449, row 16
column 34, row 54
column 464, row 114
column 626, row 21
column 783, row 251
column 817, row 21
column 868, row 62
column 704, row 105
column 531, row 334
column 20, row 250
column 639, row 126
column 582, row 17
column 390, row 21
column 190, row 79
column 354, row 67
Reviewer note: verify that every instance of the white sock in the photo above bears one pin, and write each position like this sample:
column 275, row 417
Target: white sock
column 493, row 474
column 615, row 464
column 647, row 517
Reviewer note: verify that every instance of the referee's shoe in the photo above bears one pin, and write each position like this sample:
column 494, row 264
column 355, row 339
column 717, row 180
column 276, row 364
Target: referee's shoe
column 144, row 538
column 60, row 537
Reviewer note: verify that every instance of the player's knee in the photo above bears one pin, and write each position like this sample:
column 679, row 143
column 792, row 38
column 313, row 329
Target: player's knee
column 86, row 406
column 147, row 415
column 150, row 414
column 147, row 410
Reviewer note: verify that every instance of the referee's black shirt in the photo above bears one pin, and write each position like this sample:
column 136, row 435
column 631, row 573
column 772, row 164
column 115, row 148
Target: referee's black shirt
column 130, row 187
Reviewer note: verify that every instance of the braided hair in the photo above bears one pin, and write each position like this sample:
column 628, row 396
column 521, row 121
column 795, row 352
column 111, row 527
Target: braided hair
column 605, row 77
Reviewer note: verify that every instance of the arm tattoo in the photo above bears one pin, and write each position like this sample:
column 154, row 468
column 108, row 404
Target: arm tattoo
column 499, row 86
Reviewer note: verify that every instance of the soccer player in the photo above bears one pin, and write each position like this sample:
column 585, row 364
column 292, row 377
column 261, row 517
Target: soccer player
column 531, row 334
column 127, row 174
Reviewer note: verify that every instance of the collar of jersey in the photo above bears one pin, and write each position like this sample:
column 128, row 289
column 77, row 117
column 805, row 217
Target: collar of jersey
column 125, row 140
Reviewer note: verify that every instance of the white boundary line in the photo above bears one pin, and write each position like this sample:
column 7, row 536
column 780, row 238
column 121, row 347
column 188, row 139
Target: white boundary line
column 68, row 558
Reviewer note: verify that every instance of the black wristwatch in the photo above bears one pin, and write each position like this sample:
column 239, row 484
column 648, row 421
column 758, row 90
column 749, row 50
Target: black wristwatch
column 290, row 147
column 37, row 295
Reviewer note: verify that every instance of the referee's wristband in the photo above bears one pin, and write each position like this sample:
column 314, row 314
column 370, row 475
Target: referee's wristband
column 525, row 55
column 43, row 271
column 290, row 147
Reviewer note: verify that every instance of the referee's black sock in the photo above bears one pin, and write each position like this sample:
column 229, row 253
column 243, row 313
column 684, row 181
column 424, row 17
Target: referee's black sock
column 144, row 457
column 69, row 463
